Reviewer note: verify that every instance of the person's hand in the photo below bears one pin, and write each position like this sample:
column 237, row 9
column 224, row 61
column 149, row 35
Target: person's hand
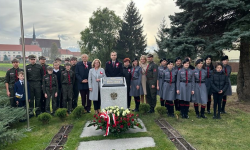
column 178, row 91
column 56, row 94
column 90, row 89
column 158, row 88
column 29, row 100
column 192, row 92
column 8, row 93
column 220, row 92
column 137, row 87
column 17, row 103
column 153, row 86
column 86, row 80
column 98, row 80
column 45, row 95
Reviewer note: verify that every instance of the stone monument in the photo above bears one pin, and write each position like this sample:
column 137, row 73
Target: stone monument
column 113, row 92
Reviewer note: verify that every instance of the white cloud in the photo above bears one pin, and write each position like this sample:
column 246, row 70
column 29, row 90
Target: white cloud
column 69, row 18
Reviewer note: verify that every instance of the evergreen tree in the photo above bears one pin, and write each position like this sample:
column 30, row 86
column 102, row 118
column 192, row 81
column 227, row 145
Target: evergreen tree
column 217, row 24
column 132, row 42
column 161, row 36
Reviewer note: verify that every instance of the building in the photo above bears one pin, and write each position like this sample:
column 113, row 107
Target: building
column 65, row 53
column 12, row 51
column 44, row 44
column 233, row 55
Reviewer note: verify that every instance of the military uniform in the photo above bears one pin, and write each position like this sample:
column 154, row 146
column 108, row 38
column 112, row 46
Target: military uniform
column 11, row 78
column 34, row 77
column 75, row 87
column 43, row 99
column 176, row 101
column 209, row 70
column 67, row 80
column 151, row 75
column 50, row 87
column 161, row 69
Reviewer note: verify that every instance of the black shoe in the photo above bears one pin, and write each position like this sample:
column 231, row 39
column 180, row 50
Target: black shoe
column 135, row 110
column 218, row 116
column 89, row 111
column 208, row 112
column 69, row 112
column 223, row 112
column 197, row 116
column 214, row 117
column 203, row 116
column 186, row 116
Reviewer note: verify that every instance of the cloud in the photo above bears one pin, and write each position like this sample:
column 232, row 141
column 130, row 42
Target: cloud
column 69, row 18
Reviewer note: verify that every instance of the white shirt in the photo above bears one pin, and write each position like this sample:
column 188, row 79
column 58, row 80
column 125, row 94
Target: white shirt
column 56, row 70
column 21, row 81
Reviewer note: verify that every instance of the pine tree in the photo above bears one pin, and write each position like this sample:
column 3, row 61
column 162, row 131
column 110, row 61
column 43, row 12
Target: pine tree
column 161, row 36
column 131, row 42
column 54, row 53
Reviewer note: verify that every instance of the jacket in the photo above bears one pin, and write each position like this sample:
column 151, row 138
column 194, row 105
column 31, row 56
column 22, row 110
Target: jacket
column 219, row 81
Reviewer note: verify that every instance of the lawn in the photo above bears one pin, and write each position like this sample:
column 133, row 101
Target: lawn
column 231, row 132
column 2, row 73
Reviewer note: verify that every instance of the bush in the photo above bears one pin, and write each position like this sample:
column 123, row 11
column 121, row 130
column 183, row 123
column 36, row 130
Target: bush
column 144, row 108
column 61, row 113
column 161, row 110
column 233, row 79
column 44, row 118
column 78, row 111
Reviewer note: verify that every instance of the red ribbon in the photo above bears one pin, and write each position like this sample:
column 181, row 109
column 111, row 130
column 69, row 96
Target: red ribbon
column 50, row 82
column 44, row 71
column 133, row 73
column 147, row 70
column 16, row 76
column 186, row 77
column 105, row 115
column 226, row 70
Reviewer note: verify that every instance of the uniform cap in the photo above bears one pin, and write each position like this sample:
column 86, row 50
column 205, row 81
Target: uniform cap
column 224, row 58
column 32, row 56
column 49, row 68
column 42, row 58
column 66, row 59
column 198, row 61
column 150, row 55
column 58, row 59
column 163, row 59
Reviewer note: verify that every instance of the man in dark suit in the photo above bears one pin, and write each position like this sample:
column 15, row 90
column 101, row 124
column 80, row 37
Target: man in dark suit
column 113, row 67
column 73, row 62
column 42, row 61
column 82, row 73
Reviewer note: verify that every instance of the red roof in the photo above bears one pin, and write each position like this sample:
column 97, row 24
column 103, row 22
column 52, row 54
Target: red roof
column 76, row 54
column 65, row 52
column 43, row 42
column 30, row 48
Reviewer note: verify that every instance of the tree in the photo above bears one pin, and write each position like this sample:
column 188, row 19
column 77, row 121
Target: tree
column 131, row 42
column 5, row 58
column 219, row 24
column 54, row 53
column 99, row 39
column 161, row 36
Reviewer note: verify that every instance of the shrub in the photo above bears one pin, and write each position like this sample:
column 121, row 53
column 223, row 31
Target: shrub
column 44, row 118
column 161, row 110
column 78, row 111
column 144, row 108
column 61, row 113
column 233, row 79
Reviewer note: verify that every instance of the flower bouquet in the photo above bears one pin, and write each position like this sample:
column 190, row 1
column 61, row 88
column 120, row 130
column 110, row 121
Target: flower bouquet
column 115, row 120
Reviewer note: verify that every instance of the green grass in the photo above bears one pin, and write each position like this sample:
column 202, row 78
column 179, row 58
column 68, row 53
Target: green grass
column 2, row 73
column 231, row 132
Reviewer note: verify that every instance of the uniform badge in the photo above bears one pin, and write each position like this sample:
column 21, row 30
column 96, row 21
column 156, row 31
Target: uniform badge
column 29, row 68
column 117, row 64
column 101, row 72
column 11, row 73
column 154, row 70
column 129, row 70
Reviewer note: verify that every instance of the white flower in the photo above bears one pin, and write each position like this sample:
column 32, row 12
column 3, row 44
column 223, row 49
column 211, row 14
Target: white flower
column 110, row 111
column 114, row 111
column 121, row 107
column 103, row 110
column 117, row 109
column 124, row 114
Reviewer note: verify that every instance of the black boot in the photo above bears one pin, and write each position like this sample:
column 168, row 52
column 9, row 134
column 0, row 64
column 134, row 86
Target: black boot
column 182, row 111
column 218, row 115
column 186, row 110
column 167, row 107
column 171, row 110
column 162, row 102
column 196, row 108
column 214, row 117
column 136, row 106
column 203, row 111
column 208, row 106
column 177, row 105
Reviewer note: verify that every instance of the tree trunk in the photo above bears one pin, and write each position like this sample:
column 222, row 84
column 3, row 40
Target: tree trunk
column 243, row 77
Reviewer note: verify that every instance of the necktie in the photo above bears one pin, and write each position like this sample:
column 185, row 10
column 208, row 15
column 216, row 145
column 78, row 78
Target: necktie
column 170, row 77
column 207, row 72
column 85, row 65
column 146, row 70
column 68, row 77
column 186, row 77
column 16, row 76
column 114, row 64
column 44, row 71
column 200, row 77
column 50, row 82
column 226, row 70
column 133, row 73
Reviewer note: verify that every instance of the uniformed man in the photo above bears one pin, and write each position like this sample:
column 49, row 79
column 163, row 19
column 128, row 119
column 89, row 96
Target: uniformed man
column 67, row 80
column 50, row 89
column 42, row 61
column 61, row 68
column 151, row 74
column 10, row 79
column 177, row 67
column 73, row 62
column 34, row 77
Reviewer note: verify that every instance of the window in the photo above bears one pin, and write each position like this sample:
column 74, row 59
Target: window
column 19, row 52
column 13, row 52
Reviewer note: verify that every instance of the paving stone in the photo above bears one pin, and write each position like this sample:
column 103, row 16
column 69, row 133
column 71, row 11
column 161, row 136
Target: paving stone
column 91, row 131
column 118, row 144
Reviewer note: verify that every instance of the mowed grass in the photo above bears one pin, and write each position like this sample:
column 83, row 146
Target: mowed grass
column 231, row 132
column 2, row 73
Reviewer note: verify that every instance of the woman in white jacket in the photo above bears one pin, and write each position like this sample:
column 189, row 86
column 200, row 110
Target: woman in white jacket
column 95, row 75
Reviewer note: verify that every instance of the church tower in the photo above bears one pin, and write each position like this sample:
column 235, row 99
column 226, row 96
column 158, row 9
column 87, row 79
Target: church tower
column 34, row 42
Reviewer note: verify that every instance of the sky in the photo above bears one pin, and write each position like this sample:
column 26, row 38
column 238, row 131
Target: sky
column 64, row 18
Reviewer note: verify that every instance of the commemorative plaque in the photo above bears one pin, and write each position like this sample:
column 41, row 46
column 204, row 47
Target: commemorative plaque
column 113, row 81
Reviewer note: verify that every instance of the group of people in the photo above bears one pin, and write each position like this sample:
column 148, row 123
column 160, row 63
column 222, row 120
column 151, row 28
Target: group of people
column 176, row 82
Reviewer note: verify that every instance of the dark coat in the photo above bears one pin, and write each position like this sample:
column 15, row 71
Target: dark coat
column 115, row 71
column 127, row 75
column 19, row 89
column 58, row 76
column 82, row 73
column 219, row 81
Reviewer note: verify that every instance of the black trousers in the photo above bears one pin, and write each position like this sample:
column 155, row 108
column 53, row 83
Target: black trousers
column 58, row 98
column 128, row 98
column 75, row 96
column 86, row 103
column 217, row 102
column 43, row 102
column 97, row 103
column 22, row 103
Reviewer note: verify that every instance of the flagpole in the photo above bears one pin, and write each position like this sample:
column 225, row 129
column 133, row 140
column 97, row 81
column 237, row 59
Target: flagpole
column 24, row 65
